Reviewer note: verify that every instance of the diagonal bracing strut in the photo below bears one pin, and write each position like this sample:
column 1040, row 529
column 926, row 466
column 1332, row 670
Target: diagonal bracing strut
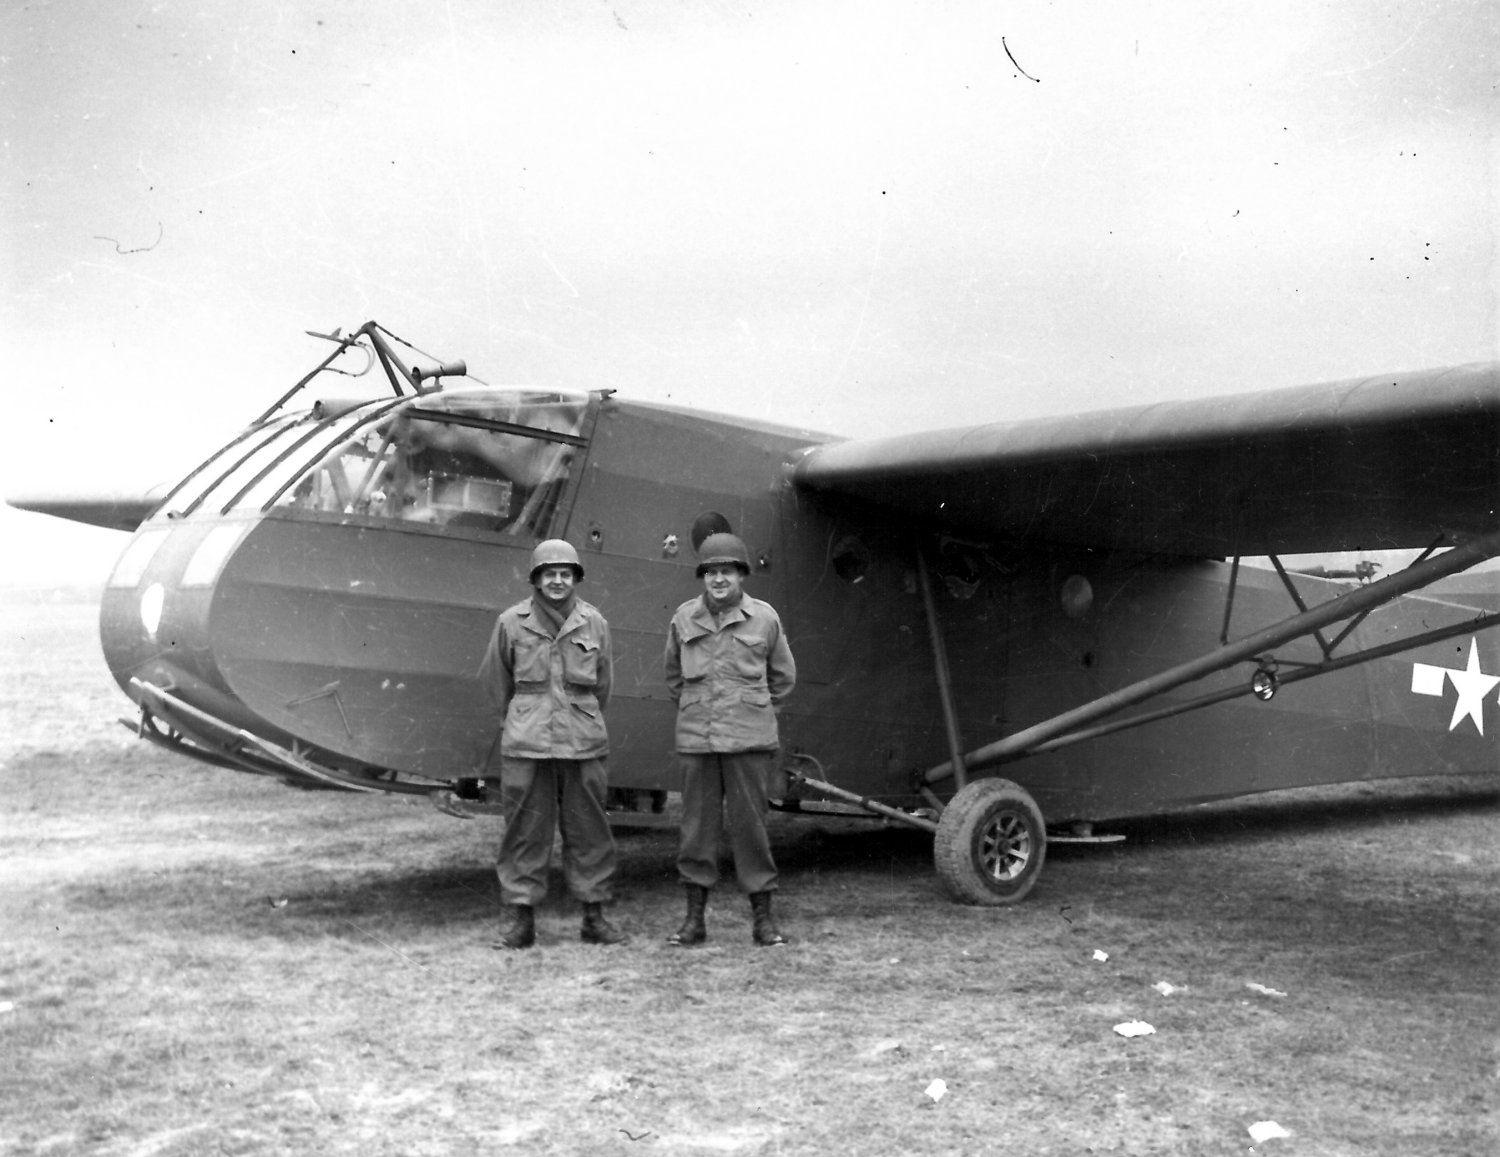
column 1414, row 577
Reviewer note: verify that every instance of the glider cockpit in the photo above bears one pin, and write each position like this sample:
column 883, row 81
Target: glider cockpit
column 496, row 460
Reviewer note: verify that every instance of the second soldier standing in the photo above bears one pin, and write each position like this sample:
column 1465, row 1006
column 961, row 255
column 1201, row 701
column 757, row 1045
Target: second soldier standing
column 728, row 667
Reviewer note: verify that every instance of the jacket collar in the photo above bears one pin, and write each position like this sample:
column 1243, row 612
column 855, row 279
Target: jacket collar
column 703, row 619
column 573, row 622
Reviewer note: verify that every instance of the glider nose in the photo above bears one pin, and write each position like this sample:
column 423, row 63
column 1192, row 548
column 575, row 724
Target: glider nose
column 153, row 619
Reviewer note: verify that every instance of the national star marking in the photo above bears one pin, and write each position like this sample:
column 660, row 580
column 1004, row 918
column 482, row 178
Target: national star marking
column 1471, row 683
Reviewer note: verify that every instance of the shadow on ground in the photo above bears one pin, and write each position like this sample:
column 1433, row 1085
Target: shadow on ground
column 887, row 865
column 1351, row 809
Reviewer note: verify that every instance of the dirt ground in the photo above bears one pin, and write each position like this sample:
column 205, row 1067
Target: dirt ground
column 198, row 962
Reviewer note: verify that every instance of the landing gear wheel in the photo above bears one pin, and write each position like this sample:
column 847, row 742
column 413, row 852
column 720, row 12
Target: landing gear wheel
column 990, row 843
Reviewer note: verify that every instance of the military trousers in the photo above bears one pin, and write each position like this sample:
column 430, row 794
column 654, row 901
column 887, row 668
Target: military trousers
column 726, row 787
column 537, row 796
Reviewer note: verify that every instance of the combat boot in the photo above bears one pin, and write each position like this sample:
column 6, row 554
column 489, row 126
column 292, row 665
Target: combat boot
column 764, row 931
column 596, row 928
column 692, row 930
column 520, row 932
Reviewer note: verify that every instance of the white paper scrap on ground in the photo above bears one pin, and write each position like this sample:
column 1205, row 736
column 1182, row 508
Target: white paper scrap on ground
column 1134, row 1028
column 1266, row 1131
column 7, row 1006
column 1166, row 988
column 937, row 1090
column 1100, row 955
column 1264, row 991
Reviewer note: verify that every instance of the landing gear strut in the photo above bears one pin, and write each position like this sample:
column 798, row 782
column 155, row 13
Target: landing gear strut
column 990, row 843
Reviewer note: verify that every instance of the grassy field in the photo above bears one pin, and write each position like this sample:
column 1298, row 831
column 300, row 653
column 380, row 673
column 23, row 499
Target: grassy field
column 195, row 962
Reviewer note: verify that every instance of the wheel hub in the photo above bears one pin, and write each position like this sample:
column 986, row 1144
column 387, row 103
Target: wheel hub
column 1004, row 847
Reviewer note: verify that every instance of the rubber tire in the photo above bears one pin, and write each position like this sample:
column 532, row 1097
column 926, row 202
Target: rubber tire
column 990, row 843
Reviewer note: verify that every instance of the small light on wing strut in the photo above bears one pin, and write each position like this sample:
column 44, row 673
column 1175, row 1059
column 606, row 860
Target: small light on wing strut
column 1263, row 683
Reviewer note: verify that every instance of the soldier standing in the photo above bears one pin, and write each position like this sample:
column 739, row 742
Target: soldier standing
column 548, row 671
column 728, row 668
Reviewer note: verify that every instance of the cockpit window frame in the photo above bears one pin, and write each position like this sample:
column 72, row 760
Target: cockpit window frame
column 320, row 427
column 559, row 505
column 499, row 427
column 563, row 505
column 270, row 429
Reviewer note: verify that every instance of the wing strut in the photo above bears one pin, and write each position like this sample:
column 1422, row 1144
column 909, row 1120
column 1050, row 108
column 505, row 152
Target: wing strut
column 1356, row 602
column 944, row 678
column 1282, row 680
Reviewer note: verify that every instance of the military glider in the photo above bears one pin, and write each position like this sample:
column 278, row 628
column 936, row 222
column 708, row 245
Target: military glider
column 1006, row 633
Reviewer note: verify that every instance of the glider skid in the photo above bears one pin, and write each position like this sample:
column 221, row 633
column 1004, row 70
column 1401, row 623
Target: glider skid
column 169, row 721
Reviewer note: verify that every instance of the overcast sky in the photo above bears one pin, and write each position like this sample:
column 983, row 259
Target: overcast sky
column 863, row 218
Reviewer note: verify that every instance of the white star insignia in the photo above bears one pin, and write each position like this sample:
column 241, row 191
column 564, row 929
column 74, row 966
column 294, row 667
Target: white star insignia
column 1471, row 683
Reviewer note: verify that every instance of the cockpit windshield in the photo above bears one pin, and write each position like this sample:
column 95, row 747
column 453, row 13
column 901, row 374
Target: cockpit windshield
column 484, row 459
column 490, row 460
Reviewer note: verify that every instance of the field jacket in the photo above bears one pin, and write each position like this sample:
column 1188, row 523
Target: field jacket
column 551, row 691
column 728, row 677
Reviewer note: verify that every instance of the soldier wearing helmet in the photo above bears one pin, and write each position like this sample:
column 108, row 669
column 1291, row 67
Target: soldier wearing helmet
column 729, row 668
column 547, row 670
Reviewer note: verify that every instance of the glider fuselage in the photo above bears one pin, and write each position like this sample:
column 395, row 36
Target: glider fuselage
column 334, row 592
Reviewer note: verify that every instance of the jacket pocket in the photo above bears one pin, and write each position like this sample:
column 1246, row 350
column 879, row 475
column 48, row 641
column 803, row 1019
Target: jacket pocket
column 533, row 659
column 696, row 657
column 749, row 654
column 521, row 719
column 753, row 721
column 581, row 661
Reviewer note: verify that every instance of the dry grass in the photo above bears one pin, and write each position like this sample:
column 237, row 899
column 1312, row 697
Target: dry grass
column 200, row 962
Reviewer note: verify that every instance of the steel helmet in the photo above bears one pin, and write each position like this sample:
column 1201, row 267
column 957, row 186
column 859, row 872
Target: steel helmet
column 722, row 548
column 555, row 552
